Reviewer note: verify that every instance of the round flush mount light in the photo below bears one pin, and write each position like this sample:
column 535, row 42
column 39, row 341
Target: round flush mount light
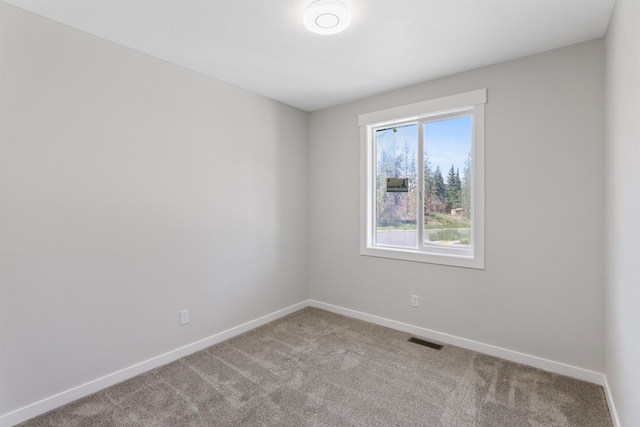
column 327, row 17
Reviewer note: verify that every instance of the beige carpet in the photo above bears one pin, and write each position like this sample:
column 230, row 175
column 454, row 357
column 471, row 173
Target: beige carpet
column 315, row 368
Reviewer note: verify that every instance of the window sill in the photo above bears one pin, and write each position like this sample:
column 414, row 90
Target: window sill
column 404, row 254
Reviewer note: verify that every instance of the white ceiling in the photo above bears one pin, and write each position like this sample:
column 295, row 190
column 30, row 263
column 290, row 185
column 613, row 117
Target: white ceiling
column 263, row 46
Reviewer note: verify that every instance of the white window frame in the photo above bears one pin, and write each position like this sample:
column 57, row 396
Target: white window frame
column 471, row 103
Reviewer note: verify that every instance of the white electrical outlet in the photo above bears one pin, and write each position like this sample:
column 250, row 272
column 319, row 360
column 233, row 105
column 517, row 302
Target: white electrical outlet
column 414, row 301
column 184, row 317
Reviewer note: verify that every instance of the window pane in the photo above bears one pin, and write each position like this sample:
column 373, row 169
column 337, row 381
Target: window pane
column 447, row 182
column 396, row 192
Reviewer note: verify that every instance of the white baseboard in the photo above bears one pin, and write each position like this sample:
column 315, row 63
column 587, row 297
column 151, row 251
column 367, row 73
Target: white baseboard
column 67, row 396
column 612, row 406
column 52, row 402
column 514, row 356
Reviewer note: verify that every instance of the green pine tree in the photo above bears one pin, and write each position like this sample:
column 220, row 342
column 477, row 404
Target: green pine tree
column 452, row 193
column 440, row 190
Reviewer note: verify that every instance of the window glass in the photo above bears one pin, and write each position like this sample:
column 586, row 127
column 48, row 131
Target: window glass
column 396, row 186
column 447, row 182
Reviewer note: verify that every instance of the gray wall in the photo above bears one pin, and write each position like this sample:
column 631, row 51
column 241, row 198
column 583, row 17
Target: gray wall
column 132, row 189
column 542, row 290
column 623, row 160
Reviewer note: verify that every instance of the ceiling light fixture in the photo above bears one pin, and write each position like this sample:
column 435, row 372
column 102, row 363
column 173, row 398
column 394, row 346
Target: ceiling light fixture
column 327, row 17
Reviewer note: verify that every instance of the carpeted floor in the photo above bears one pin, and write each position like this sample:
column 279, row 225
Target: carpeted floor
column 315, row 368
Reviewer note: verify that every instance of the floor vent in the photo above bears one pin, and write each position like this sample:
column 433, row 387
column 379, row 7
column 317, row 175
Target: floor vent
column 426, row 343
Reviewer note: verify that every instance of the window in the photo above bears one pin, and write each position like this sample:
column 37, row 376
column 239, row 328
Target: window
column 422, row 196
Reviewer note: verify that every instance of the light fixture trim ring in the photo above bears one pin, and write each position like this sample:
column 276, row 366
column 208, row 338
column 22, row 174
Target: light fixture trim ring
column 327, row 17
